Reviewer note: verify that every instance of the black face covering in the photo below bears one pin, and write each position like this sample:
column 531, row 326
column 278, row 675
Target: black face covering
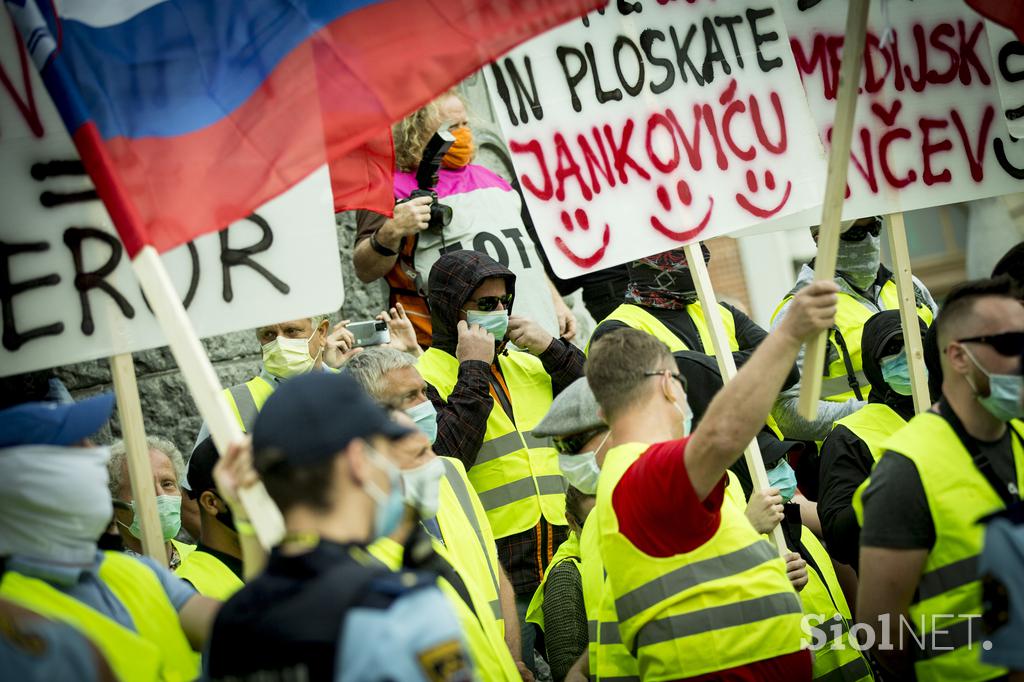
column 226, row 517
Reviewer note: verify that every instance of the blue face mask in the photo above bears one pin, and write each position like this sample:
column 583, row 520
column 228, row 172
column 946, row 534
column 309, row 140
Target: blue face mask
column 496, row 321
column 425, row 417
column 896, row 373
column 390, row 505
column 1004, row 393
column 783, row 477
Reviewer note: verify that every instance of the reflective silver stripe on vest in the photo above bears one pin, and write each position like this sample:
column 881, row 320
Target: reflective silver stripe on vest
column 850, row 671
column 950, row 637
column 523, row 489
column 507, row 444
column 496, row 605
column 717, row 618
column 691, row 575
column 245, row 404
column 592, row 630
column 949, row 577
column 462, row 495
column 610, row 634
column 841, row 384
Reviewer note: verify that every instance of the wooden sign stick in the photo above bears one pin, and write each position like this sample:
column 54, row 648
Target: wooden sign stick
column 727, row 366
column 140, row 472
column 835, row 191
column 897, row 234
column 203, row 384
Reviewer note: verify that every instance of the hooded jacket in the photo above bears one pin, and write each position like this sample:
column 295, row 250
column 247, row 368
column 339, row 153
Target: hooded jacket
column 846, row 460
column 453, row 279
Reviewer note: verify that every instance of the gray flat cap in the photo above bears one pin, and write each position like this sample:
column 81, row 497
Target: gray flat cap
column 574, row 410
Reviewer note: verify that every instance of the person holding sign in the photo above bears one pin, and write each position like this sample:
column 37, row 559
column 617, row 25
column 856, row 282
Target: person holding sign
column 865, row 288
column 55, row 504
column 168, row 471
column 487, row 215
column 855, row 444
column 515, row 474
column 215, row 568
column 939, row 475
column 661, row 510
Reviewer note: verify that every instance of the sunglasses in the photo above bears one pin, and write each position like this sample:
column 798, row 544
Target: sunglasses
column 490, row 303
column 574, row 444
column 857, row 233
column 675, row 375
column 1007, row 343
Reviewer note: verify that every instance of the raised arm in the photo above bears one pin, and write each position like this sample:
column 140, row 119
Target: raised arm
column 739, row 410
column 373, row 263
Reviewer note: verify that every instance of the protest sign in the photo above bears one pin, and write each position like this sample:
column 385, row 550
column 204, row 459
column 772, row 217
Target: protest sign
column 67, row 290
column 1008, row 70
column 653, row 124
column 928, row 126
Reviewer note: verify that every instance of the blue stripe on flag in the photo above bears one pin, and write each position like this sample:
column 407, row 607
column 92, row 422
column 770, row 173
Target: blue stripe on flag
column 180, row 66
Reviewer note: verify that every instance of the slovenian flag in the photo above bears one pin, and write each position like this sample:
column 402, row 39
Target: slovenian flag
column 189, row 114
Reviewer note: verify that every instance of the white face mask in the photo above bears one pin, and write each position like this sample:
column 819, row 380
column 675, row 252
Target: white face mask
column 286, row 358
column 581, row 470
column 423, row 487
column 54, row 502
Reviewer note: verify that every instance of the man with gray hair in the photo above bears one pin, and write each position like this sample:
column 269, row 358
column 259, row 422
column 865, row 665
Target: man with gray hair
column 391, row 378
column 168, row 468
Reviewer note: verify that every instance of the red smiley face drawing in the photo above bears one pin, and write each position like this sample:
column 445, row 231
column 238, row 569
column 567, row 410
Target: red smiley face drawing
column 584, row 223
column 686, row 198
column 769, row 184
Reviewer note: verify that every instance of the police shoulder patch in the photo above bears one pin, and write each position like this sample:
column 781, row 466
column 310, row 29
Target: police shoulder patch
column 444, row 662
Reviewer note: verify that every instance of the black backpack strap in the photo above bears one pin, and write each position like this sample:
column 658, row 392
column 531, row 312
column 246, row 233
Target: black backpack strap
column 851, row 374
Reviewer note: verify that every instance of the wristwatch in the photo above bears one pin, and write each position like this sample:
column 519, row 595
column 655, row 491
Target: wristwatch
column 380, row 248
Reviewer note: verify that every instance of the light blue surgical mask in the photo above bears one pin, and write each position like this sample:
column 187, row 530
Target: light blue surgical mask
column 896, row 373
column 783, row 477
column 495, row 321
column 581, row 470
column 168, row 508
column 1004, row 393
column 425, row 417
column 390, row 505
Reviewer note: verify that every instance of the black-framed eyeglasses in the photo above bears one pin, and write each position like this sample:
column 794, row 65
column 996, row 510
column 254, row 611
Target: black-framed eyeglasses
column 675, row 375
column 574, row 444
column 857, row 233
column 490, row 303
column 1008, row 343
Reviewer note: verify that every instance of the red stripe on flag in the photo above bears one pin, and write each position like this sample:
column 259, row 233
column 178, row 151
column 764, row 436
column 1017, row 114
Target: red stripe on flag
column 376, row 65
column 1008, row 13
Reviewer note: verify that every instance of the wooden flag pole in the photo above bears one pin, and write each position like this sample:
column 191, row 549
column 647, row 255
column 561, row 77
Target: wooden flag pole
column 727, row 366
column 897, row 233
column 203, row 384
column 835, row 191
column 140, row 472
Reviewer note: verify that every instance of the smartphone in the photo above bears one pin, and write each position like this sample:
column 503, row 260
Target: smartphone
column 370, row 333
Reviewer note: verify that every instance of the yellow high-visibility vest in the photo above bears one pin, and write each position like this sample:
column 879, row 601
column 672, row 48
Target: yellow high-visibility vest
column 852, row 312
column 516, row 474
column 569, row 550
column 736, row 580
column 948, row 597
column 209, row 575
column 157, row 650
column 638, row 318
column 873, row 424
column 247, row 400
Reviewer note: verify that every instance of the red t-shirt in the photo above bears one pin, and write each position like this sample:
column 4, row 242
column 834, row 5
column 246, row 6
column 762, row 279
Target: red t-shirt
column 659, row 512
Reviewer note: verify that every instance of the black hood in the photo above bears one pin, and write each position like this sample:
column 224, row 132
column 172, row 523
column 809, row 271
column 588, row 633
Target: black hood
column 882, row 336
column 452, row 280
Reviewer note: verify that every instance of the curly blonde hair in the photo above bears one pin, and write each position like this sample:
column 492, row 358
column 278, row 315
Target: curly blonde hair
column 412, row 133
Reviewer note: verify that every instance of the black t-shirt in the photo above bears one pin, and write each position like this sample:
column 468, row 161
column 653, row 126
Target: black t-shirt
column 896, row 513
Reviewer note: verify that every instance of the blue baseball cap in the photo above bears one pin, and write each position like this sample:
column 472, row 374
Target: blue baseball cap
column 52, row 423
column 314, row 416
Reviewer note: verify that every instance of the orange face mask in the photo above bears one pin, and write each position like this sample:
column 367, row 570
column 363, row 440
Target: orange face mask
column 461, row 151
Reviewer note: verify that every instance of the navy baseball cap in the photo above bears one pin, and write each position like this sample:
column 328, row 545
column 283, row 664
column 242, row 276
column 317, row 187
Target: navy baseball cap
column 52, row 423
column 312, row 417
column 199, row 475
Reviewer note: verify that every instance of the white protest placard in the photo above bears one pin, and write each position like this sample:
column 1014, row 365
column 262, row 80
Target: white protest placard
column 67, row 289
column 929, row 128
column 654, row 124
column 1008, row 70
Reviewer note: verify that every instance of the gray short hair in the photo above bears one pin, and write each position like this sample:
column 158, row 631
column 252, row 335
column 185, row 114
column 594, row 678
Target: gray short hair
column 370, row 368
column 119, row 453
